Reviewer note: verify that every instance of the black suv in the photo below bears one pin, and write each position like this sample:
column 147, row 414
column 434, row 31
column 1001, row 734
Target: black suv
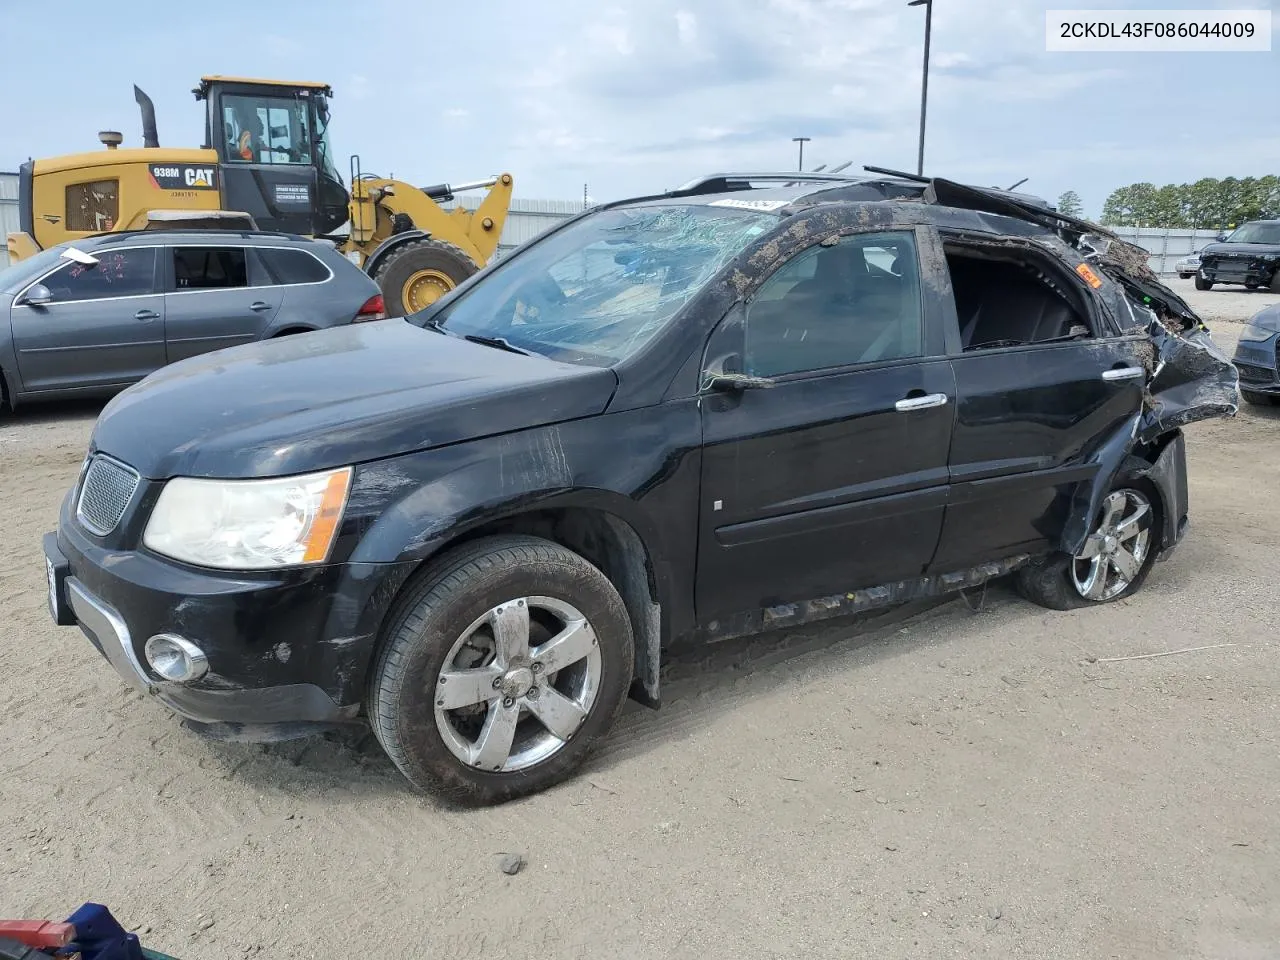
column 743, row 405
column 1250, row 255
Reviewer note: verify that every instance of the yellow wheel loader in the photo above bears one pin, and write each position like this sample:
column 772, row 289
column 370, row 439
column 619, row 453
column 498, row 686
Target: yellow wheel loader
column 266, row 164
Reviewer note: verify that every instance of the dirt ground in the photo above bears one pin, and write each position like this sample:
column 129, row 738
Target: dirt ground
column 949, row 784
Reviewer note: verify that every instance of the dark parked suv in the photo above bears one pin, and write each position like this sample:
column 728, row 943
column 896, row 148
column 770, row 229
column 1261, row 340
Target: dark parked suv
column 1250, row 255
column 742, row 405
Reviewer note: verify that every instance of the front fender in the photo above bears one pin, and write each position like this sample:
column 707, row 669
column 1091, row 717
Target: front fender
column 421, row 502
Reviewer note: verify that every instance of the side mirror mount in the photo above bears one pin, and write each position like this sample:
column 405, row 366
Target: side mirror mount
column 737, row 382
column 37, row 295
column 1221, row 238
column 726, row 376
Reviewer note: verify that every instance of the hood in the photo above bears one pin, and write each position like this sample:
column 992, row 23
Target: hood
column 1239, row 250
column 1268, row 318
column 334, row 397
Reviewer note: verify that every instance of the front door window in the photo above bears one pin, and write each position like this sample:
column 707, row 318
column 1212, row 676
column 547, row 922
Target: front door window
column 118, row 273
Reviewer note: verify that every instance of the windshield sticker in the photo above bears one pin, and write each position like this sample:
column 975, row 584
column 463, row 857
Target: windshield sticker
column 750, row 204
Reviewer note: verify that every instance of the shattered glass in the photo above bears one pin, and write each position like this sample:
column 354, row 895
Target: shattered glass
column 599, row 289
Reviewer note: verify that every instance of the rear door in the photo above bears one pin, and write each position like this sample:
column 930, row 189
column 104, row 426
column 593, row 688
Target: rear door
column 835, row 477
column 104, row 326
column 1040, row 384
column 212, row 300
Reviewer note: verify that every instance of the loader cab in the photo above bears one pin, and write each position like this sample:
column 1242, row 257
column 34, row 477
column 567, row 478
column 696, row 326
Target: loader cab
column 272, row 141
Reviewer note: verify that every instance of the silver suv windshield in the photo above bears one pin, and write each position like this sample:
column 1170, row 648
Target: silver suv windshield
column 599, row 289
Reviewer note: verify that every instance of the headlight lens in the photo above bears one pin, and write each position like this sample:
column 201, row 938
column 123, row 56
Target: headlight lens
column 1255, row 333
column 249, row 524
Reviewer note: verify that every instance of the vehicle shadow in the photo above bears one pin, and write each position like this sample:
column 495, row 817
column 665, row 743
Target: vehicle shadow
column 51, row 412
column 697, row 680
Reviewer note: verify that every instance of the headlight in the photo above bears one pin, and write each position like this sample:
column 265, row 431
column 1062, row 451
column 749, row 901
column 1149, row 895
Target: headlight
column 249, row 524
column 1254, row 333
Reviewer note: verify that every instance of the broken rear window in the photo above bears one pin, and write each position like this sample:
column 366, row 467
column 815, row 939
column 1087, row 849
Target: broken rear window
column 598, row 290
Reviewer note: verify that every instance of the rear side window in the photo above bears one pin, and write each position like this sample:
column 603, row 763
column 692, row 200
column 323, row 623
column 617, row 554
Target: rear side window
column 118, row 273
column 93, row 206
column 209, row 268
column 284, row 267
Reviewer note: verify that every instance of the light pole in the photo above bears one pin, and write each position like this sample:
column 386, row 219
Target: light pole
column 802, row 141
column 924, row 76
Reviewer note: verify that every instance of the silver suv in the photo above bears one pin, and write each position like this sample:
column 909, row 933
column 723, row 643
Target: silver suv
column 91, row 317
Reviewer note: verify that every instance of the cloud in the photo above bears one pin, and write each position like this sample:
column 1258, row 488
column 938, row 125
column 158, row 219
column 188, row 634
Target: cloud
column 634, row 95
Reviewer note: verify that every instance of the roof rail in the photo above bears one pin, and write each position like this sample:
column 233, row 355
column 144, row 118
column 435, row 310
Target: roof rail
column 721, row 182
column 207, row 231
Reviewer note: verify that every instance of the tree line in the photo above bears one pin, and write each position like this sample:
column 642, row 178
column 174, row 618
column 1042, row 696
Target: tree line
column 1205, row 204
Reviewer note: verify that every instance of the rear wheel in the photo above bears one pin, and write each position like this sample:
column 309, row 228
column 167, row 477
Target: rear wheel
column 419, row 273
column 1275, row 282
column 1202, row 283
column 1114, row 561
column 501, row 670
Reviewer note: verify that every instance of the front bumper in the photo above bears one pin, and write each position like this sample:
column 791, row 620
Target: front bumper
column 287, row 650
column 1239, row 271
column 1258, row 363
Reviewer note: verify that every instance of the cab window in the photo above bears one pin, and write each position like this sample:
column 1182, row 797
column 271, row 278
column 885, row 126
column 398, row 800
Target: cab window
column 93, row 207
column 118, row 273
column 857, row 301
column 259, row 129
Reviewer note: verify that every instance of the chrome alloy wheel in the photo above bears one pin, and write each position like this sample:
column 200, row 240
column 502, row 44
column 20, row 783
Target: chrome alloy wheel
column 517, row 684
column 1116, row 551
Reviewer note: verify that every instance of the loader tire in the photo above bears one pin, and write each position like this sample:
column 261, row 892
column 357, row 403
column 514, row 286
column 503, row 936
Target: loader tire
column 419, row 273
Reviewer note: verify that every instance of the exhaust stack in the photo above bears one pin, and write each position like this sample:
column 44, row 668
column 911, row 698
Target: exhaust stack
column 149, row 136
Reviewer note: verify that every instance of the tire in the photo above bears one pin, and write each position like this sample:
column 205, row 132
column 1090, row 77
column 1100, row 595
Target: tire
column 1259, row 399
column 1202, row 283
column 439, row 267
column 1274, row 285
column 427, row 635
column 1053, row 583
column 1252, row 286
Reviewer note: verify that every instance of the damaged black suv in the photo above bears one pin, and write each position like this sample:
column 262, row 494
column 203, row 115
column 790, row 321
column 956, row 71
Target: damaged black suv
column 746, row 404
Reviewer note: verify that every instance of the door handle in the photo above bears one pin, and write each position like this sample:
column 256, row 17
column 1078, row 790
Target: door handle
column 259, row 306
column 1124, row 373
column 146, row 315
column 921, row 403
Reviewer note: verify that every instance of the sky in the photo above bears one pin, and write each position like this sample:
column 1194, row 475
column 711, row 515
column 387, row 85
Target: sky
column 637, row 96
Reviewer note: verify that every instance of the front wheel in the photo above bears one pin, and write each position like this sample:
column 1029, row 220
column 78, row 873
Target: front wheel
column 501, row 669
column 1114, row 561
column 419, row 273
column 1203, row 284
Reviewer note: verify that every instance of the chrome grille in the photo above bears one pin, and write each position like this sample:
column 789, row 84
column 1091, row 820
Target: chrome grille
column 105, row 494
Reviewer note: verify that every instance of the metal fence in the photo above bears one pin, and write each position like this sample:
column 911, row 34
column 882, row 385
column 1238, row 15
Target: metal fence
column 1166, row 246
column 8, row 212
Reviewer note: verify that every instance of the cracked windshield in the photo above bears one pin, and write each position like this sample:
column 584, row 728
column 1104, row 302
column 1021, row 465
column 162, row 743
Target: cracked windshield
column 600, row 289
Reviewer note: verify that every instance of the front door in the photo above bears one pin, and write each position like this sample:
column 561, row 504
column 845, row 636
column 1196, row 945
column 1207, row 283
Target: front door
column 835, row 477
column 216, row 299
column 104, row 326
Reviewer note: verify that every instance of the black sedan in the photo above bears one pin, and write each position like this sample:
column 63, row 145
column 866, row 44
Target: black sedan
column 748, row 404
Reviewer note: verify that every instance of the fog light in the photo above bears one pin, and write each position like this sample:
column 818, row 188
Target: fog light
column 176, row 659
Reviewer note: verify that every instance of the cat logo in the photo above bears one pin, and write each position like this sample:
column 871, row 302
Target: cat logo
column 174, row 176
